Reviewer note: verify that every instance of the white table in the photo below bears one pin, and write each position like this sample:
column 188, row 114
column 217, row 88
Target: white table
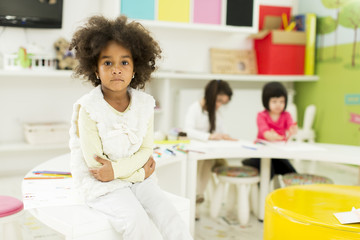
column 54, row 203
column 243, row 149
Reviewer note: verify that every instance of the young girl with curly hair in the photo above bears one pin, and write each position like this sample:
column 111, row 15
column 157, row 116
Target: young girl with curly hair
column 112, row 129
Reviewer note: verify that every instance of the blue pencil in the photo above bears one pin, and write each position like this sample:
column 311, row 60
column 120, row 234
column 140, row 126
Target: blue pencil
column 252, row 148
column 52, row 172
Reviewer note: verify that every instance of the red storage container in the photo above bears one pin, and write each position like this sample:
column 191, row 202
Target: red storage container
column 279, row 51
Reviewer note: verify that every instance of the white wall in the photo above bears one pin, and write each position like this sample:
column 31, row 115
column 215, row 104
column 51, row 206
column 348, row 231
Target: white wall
column 25, row 99
column 38, row 99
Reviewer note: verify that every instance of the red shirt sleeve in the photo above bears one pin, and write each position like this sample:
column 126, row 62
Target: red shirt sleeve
column 262, row 124
column 289, row 121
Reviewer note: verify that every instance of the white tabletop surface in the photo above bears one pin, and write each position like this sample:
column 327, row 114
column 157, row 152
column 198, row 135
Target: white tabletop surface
column 55, row 203
column 245, row 149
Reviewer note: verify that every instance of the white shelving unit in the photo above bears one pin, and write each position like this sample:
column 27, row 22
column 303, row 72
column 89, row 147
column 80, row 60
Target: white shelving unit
column 196, row 27
column 111, row 8
column 162, row 91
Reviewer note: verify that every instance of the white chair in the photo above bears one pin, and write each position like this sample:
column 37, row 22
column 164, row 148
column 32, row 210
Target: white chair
column 11, row 210
column 243, row 178
column 306, row 133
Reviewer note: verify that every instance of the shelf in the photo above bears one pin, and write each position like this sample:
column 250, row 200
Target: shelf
column 235, row 77
column 196, row 26
column 23, row 146
column 35, row 73
column 174, row 75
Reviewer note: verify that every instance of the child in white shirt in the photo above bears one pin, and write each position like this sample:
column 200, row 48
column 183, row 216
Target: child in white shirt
column 204, row 122
column 112, row 129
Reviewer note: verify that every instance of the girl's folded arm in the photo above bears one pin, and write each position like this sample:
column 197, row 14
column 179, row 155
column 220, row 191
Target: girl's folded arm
column 123, row 168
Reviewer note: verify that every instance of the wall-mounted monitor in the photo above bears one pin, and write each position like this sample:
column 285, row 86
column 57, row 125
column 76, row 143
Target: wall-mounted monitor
column 31, row 13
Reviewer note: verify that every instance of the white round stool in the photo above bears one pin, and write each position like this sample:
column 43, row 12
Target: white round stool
column 11, row 209
column 243, row 178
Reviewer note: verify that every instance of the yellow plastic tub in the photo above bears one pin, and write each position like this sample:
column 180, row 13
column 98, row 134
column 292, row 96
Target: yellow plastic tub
column 306, row 212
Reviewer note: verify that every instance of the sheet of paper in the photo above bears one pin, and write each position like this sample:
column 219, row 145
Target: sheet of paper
column 294, row 146
column 49, row 192
column 348, row 217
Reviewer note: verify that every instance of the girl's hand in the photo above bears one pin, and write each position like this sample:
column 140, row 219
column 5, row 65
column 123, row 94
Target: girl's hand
column 221, row 136
column 292, row 130
column 105, row 173
column 216, row 136
column 228, row 138
column 149, row 167
column 272, row 135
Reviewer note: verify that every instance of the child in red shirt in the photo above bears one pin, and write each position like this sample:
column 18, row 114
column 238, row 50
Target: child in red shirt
column 274, row 124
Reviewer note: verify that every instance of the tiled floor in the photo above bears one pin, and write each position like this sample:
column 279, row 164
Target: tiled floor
column 224, row 227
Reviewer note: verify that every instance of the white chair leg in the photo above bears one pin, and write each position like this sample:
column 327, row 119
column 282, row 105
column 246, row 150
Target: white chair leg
column 217, row 200
column 281, row 181
column 210, row 190
column 254, row 199
column 243, row 203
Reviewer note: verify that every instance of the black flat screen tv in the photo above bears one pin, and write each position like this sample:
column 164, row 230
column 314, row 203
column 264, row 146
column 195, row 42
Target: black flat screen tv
column 31, row 13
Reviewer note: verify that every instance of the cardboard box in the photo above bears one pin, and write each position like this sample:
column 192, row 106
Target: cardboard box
column 233, row 61
column 279, row 51
column 46, row 133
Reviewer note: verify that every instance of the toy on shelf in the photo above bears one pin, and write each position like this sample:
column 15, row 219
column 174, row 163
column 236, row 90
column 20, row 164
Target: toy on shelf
column 64, row 57
column 24, row 60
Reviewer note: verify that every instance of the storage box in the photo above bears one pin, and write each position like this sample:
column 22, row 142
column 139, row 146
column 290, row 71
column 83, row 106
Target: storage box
column 232, row 61
column 279, row 51
column 46, row 133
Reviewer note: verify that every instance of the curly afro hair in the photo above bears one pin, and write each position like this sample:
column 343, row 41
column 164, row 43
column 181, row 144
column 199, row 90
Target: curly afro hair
column 89, row 40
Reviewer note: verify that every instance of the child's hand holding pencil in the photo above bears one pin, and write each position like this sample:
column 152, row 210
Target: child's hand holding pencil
column 292, row 130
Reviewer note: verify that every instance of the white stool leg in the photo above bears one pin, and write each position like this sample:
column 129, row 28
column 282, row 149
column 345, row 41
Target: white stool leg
column 217, row 200
column 10, row 227
column 254, row 198
column 231, row 198
column 12, row 231
column 243, row 203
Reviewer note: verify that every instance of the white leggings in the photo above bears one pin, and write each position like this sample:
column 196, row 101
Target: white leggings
column 129, row 209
